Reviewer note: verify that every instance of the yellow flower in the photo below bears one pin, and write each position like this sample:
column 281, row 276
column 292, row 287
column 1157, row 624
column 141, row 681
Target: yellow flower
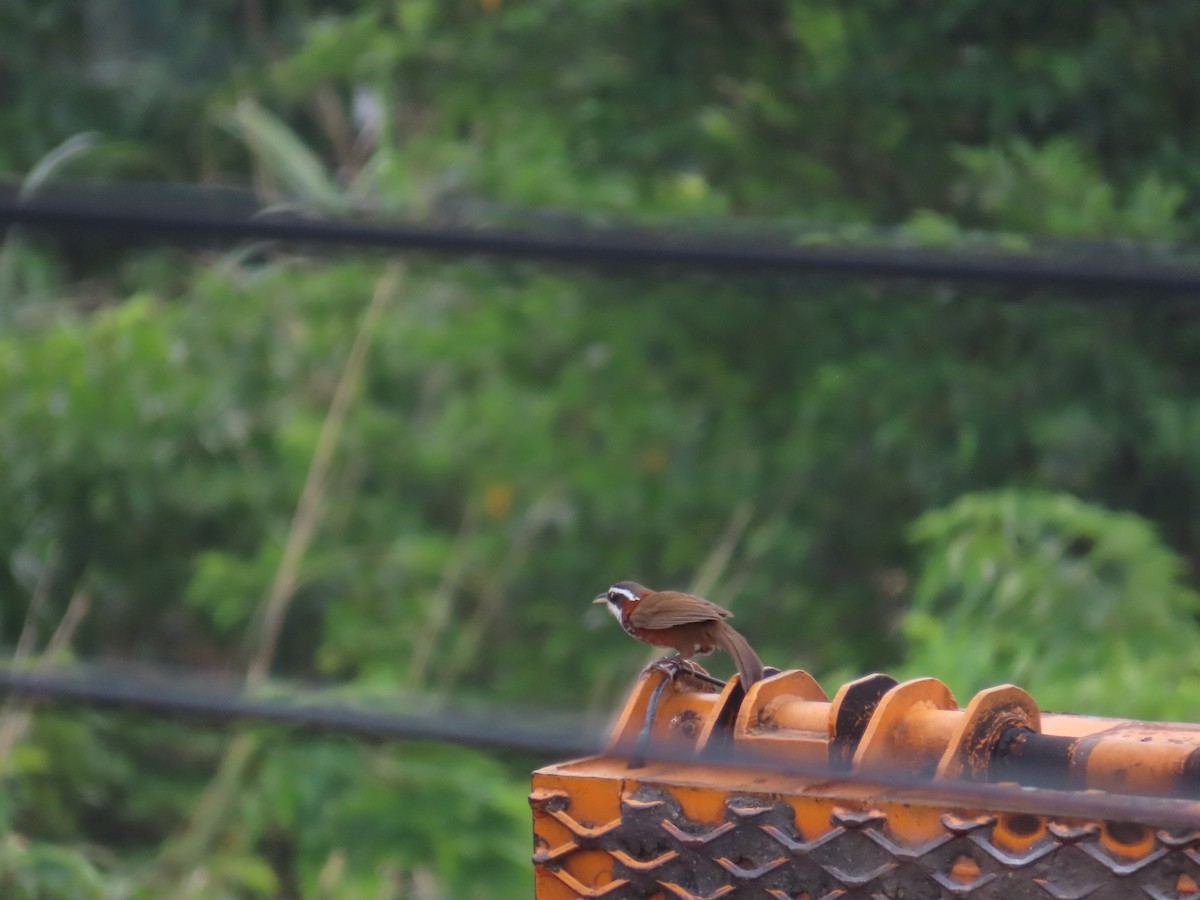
column 497, row 499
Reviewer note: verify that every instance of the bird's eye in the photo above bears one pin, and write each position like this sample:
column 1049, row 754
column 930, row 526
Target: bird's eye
column 612, row 595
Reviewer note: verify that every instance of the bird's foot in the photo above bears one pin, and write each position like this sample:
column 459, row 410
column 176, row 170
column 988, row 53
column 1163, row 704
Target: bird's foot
column 675, row 666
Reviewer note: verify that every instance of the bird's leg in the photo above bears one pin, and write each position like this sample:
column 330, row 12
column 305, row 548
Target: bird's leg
column 638, row 760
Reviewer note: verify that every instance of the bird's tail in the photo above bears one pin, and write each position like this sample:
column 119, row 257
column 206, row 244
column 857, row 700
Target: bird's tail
column 749, row 666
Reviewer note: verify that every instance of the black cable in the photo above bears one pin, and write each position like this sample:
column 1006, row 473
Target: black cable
column 157, row 696
column 624, row 249
column 160, row 698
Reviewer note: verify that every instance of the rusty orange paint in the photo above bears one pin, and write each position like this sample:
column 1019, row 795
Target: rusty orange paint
column 1136, row 757
column 700, row 804
column 1018, row 833
column 965, row 870
column 813, row 815
column 787, row 701
column 968, row 748
column 914, row 823
column 583, row 810
column 908, row 726
column 1068, row 725
column 1128, row 839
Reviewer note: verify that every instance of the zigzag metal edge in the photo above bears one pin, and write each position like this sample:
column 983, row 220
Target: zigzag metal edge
column 1095, row 862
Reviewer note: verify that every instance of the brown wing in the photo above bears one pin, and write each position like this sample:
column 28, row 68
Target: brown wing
column 662, row 609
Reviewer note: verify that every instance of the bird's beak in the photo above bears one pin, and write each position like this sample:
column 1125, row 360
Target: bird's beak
column 600, row 598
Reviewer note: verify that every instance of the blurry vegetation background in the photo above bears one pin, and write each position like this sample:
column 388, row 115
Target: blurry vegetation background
column 917, row 478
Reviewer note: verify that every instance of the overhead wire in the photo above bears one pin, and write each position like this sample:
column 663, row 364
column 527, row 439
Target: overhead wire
column 122, row 221
column 162, row 696
column 166, row 694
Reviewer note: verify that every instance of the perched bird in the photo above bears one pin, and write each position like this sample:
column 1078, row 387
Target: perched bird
column 683, row 622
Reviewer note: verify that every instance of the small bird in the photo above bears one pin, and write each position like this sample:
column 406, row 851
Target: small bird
column 683, row 622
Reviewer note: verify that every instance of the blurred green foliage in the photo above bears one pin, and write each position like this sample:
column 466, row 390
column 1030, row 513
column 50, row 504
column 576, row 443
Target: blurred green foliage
column 908, row 476
column 1080, row 605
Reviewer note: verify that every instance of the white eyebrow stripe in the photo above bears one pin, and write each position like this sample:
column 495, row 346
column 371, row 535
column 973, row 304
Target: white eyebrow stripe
column 623, row 592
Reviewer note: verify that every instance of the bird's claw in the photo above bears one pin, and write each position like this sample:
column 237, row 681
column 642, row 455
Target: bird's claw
column 675, row 666
column 672, row 665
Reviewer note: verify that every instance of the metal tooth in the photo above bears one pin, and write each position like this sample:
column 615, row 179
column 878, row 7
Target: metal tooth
column 1118, row 867
column 585, row 832
column 542, row 857
column 633, row 802
column 950, row 883
column 548, row 800
column 852, row 818
column 640, row 804
column 1066, row 893
column 642, row 865
column 1178, row 839
column 1013, row 861
column 747, row 811
column 682, row 892
column 749, row 874
column 582, row 889
column 966, row 824
column 801, row 848
column 1072, row 834
column 906, row 851
column 859, row 880
column 1172, row 893
column 694, row 840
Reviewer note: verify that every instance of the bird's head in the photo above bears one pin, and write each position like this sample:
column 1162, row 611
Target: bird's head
column 621, row 596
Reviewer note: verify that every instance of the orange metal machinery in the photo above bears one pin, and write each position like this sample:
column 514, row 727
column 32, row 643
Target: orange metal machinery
column 888, row 791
